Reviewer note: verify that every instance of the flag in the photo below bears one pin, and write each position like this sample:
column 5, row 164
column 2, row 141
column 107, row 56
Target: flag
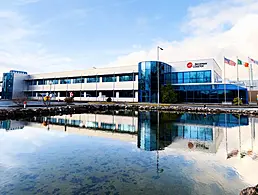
column 240, row 62
column 253, row 61
column 229, row 62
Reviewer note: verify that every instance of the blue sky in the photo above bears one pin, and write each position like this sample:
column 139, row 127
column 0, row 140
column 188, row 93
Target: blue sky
column 101, row 27
column 51, row 35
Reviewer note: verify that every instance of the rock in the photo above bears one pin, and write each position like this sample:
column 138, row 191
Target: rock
column 250, row 191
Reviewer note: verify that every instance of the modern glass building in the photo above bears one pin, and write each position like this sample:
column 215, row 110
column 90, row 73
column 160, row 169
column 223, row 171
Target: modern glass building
column 197, row 81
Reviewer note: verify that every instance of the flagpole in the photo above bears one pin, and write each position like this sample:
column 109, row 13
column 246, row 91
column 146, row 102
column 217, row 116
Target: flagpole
column 225, row 94
column 252, row 82
column 250, row 98
column 237, row 84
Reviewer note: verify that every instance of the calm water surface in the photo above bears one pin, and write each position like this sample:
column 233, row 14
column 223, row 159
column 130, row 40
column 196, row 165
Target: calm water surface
column 129, row 153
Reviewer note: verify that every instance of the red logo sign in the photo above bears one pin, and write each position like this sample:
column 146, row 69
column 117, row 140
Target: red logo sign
column 189, row 65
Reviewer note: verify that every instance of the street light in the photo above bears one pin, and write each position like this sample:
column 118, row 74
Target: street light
column 158, row 48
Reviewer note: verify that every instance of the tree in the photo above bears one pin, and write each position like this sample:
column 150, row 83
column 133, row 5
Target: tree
column 168, row 95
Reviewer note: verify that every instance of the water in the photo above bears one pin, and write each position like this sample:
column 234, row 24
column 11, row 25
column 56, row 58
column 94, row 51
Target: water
column 128, row 153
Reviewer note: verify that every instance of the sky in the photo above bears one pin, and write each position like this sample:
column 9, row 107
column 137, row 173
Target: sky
column 58, row 35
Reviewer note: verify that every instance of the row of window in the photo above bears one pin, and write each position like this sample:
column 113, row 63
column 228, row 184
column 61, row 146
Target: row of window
column 122, row 94
column 210, row 96
column 190, row 77
column 93, row 124
column 92, row 79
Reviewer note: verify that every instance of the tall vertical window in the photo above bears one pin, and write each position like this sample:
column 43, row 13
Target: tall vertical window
column 186, row 77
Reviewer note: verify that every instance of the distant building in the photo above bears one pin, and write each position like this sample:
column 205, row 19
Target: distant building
column 197, row 81
column 252, row 89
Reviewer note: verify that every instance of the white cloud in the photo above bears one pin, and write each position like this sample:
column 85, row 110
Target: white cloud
column 25, row 2
column 18, row 51
column 213, row 30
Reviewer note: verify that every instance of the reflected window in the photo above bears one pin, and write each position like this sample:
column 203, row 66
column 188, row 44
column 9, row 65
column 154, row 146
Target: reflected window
column 92, row 124
column 108, row 126
column 125, row 127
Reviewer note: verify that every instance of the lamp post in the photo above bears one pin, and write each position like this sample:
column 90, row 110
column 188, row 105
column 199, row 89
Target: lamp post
column 158, row 48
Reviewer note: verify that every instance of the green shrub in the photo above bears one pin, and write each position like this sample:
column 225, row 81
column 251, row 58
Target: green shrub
column 168, row 95
column 237, row 100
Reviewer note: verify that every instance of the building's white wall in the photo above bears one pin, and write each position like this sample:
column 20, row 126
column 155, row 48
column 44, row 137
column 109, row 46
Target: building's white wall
column 217, row 69
column 182, row 65
column 88, row 72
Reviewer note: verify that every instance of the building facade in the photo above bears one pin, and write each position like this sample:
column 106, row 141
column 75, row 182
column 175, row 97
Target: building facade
column 252, row 87
column 197, row 81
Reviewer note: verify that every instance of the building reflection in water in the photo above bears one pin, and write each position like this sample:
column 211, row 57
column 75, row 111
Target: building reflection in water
column 10, row 125
column 117, row 122
column 185, row 131
column 154, row 131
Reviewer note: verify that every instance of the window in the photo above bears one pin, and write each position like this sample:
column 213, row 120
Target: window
column 125, row 127
column 207, row 76
column 78, row 80
column 63, row 94
column 53, row 120
column 111, row 78
column 90, row 124
column 92, row 93
column 108, row 126
column 180, row 77
column 50, row 82
column 127, row 77
column 186, row 77
column 110, row 93
column 217, row 78
column 200, row 77
column 193, row 77
column 125, row 94
column 40, row 82
column 75, row 122
column 94, row 79
column 62, row 121
column 174, row 78
column 65, row 81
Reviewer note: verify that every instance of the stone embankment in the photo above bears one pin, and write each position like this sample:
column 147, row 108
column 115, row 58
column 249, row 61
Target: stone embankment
column 92, row 108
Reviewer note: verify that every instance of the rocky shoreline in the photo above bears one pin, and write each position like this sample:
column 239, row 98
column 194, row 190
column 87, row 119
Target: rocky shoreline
column 19, row 113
